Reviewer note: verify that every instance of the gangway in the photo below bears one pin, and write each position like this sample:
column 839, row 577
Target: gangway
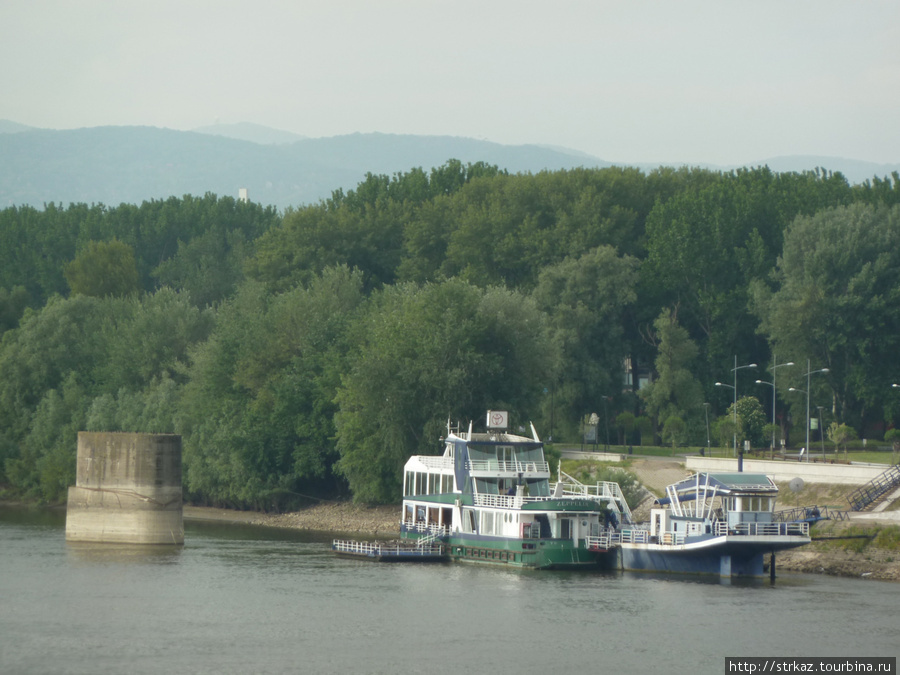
column 808, row 514
column 607, row 492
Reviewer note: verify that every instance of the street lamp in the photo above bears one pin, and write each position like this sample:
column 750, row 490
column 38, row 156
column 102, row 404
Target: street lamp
column 734, row 389
column 774, row 391
column 708, row 447
column 821, row 432
column 808, row 373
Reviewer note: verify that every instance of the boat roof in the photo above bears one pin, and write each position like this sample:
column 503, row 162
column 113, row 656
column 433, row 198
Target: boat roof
column 727, row 483
column 497, row 437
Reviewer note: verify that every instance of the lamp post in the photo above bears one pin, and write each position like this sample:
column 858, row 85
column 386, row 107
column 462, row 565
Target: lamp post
column 808, row 373
column 708, row 447
column 734, row 389
column 775, row 366
column 821, row 432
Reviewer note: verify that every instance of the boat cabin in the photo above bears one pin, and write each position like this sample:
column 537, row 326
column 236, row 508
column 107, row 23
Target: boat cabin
column 714, row 503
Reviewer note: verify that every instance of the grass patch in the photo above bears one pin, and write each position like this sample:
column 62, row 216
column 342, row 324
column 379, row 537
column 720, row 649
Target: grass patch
column 855, row 538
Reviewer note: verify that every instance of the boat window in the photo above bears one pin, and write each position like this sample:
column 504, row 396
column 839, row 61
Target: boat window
column 409, row 485
column 505, row 457
column 486, row 487
column 538, row 487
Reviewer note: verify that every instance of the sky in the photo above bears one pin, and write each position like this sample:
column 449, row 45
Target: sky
column 716, row 82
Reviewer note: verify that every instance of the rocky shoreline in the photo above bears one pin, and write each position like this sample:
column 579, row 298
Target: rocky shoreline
column 336, row 517
column 384, row 522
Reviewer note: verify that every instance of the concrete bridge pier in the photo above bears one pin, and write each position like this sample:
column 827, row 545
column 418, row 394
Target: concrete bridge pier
column 127, row 489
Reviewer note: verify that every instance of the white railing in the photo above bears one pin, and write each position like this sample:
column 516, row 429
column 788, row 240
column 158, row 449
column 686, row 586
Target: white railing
column 373, row 549
column 797, row 529
column 495, row 466
column 503, row 501
column 427, row 529
column 639, row 536
column 436, row 462
column 605, row 490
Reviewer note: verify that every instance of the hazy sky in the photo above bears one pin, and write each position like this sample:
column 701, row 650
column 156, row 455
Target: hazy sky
column 721, row 81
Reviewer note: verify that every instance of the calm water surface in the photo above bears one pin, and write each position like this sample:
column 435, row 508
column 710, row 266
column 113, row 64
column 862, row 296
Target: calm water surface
column 255, row 600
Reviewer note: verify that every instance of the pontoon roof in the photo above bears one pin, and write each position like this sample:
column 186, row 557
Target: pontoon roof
column 728, row 483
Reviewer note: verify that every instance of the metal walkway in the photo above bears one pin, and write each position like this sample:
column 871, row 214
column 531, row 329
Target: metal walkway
column 809, row 514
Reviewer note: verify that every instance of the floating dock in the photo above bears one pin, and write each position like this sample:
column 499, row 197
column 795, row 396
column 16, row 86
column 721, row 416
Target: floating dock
column 395, row 551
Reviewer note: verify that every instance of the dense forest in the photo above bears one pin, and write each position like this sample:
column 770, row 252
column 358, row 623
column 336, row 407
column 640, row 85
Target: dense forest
column 308, row 353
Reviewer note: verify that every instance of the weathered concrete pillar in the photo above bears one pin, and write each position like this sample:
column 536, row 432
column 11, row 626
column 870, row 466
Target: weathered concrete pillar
column 127, row 489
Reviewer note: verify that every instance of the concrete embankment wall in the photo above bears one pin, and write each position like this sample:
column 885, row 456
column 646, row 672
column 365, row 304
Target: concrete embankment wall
column 786, row 470
column 127, row 489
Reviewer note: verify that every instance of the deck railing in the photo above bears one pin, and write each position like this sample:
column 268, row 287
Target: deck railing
column 512, row 467
column 374, row 549
column 610, row 539
column 794, row 529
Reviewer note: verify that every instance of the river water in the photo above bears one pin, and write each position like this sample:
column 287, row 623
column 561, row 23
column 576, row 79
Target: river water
column 239, row 599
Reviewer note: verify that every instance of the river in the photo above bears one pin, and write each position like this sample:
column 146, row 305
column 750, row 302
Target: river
column 240, row 599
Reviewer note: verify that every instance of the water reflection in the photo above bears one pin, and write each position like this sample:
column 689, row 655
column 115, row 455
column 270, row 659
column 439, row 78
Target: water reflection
column 146, row 554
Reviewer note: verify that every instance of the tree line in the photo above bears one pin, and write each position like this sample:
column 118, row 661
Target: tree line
column 307, row 354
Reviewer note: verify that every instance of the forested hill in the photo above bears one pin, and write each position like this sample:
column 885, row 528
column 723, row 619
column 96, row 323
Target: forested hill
column 112, row 165
column 309, row 353
column 115, row 165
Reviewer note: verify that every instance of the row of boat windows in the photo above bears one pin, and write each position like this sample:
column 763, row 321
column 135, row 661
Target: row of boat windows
column 422, row 483
column 750, row 503
column 534, row 487
column 506, row 454
column 486, row 554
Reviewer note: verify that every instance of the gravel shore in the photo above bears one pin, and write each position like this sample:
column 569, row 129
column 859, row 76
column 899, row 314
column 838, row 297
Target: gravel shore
column 338, row 517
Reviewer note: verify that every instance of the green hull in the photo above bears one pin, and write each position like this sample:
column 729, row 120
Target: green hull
column 526, row 553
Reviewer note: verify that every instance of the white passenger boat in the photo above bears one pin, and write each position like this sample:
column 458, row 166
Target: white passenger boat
column 489, row 499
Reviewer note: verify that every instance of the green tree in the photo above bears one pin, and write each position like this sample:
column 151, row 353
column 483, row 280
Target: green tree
column 103, row 269
column 644, row 426
column 625, row 423
column 835, row 299
column 673, row 431
column 675, row 391
column 425, row 353
column 840, row 435
column 12, row 307
column 259, row 404
column 751, row 421
column 586, row 299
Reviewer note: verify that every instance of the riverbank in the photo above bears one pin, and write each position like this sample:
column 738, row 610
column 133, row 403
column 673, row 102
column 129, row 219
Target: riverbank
column 337, row 517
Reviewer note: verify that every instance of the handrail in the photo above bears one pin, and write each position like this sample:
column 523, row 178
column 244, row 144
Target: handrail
column 808, row 513
column 608, row 490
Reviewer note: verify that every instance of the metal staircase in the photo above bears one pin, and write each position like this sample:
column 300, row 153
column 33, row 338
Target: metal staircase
column 863, row 497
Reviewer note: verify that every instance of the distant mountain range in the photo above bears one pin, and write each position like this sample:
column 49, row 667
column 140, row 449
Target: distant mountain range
column 111, row 165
